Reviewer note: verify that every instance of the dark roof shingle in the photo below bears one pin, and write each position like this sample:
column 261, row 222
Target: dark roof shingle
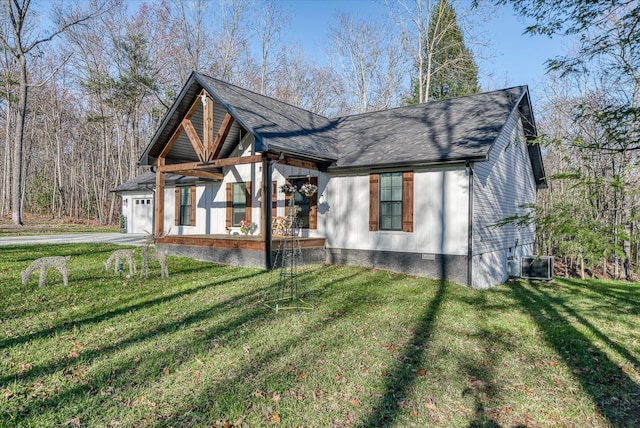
column 439, row 131
column 452, row 130
column 281, row 126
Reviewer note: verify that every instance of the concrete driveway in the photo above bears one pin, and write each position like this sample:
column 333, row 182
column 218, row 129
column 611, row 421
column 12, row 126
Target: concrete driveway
column 76, row 238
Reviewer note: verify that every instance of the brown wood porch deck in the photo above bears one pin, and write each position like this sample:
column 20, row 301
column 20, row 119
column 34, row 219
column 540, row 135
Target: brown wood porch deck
column 239, row 242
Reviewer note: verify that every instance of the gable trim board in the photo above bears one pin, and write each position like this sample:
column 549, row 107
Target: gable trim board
column 455, row 156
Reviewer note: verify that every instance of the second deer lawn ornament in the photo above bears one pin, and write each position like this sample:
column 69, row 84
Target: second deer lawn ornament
column 120, row 255
column 147, row 256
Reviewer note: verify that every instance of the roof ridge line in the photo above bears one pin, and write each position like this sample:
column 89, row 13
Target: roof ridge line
column 338, row 118
column 261, row 95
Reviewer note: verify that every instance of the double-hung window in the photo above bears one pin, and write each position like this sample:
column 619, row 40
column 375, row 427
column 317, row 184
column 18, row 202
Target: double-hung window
column 185, row 206
column 185, row 212
column 391, row 201
column 238, row 203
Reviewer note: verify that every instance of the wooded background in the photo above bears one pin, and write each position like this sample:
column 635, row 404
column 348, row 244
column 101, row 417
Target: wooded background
column 84, row 86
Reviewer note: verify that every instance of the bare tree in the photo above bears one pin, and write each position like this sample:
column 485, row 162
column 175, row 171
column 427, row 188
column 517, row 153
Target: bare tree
column 8, row 115
column 370, row 64
column 231, row 40
column 21, row 41
column 192, row 42
column 268, row 25
column 606, row 61
column 304, row 84
column 425, row 32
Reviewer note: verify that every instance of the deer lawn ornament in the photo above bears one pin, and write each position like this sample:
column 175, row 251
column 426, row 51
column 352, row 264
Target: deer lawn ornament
column 58, row 262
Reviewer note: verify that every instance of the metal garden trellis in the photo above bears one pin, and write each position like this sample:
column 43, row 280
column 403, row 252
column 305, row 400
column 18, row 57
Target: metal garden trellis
column 291, row 293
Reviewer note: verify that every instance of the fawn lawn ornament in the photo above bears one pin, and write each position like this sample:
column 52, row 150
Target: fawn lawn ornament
column 58, row 262
column 120, row 255
column 147, row 256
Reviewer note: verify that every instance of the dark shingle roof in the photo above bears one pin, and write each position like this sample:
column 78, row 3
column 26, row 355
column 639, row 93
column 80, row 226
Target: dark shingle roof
column 147, row 181
column 279, row 126
column 453, row 130
column 439, row 131
column 276, row 126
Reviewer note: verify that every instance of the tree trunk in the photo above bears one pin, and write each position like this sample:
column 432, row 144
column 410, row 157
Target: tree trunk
column 16, row 192
column 626, row 248
column 6, row 170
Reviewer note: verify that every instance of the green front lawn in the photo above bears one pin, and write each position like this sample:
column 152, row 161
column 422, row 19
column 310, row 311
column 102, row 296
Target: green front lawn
column 204, row 348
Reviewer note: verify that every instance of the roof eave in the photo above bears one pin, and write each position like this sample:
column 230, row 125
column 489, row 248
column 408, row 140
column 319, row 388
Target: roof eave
column 145, row 159
column 428, row 163
column 531, row 134
column 295, row 154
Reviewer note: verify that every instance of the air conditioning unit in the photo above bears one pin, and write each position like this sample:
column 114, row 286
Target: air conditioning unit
column 537, row 267
column 513, row 268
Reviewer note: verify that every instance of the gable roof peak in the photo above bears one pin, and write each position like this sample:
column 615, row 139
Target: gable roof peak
column 253, row 93
column 276, row 125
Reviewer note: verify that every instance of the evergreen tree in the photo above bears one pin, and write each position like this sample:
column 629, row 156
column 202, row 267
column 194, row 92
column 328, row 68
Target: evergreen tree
column 450, row 69
column 455, row 72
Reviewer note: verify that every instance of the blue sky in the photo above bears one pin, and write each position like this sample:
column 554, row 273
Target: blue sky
column 511, row 58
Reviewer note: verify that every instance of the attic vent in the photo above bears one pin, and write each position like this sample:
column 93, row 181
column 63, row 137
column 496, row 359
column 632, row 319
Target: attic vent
column 537, row 267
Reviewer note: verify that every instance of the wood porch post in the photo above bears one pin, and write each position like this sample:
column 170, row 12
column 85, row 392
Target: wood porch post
column 159, row 226
column 265, row 210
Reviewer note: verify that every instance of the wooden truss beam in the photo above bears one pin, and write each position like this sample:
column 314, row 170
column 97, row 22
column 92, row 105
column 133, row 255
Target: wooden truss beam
column 159, row 218
column 207, row 132
column 172, row 141
column 194, row 139
column 196, row 104
column 216, row 146
column 199, row 173
column 209, row 149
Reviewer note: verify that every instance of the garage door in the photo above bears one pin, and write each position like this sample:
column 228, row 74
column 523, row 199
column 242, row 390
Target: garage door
column 142, row 215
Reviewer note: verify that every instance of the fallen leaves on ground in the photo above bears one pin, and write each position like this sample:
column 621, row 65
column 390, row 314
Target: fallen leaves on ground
column 274, row 418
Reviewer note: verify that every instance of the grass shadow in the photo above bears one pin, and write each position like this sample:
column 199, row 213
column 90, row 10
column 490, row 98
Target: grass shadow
column 407, row 369
column 481, row 369
column 70, row 325
column 119, row 375
column 615, row 394
column 610, row 297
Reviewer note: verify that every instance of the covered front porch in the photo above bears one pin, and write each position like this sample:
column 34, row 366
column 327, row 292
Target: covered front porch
column 213, row 136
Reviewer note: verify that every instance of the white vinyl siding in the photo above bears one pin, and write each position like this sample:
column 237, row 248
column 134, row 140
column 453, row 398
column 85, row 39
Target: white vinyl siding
column 440, row 214
column 502, row 186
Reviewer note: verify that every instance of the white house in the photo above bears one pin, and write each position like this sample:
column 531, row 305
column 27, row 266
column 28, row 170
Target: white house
column 416, row 189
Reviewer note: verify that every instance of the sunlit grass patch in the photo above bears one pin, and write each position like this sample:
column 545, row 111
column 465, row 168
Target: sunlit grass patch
column 204, row 348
